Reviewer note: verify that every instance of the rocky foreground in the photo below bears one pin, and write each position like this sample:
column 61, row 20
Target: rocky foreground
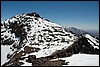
column 25, row 55
column 18, row 57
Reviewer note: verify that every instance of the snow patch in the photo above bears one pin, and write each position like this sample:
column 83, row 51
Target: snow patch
column 4, row 51
column 81, row 60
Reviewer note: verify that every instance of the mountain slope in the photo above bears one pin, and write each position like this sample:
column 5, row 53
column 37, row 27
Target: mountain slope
column 32, row 30
column 29, row 34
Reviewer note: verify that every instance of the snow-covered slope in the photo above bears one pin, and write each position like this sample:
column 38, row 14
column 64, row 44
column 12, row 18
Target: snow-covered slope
column 81, row 60
column 93, row 41
column 30, row 29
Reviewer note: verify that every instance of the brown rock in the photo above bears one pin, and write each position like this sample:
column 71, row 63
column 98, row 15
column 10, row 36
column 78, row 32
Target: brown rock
column 28, row 49
column 54, row 63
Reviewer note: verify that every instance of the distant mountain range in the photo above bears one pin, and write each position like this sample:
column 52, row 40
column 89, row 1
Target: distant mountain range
column 31, row 37
column 79, row 32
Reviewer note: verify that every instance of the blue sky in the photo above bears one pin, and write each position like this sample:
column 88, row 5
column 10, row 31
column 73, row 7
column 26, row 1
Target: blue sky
column 80, row 14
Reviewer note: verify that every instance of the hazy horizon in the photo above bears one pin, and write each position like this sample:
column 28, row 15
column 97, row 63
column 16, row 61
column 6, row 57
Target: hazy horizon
column 93, row 32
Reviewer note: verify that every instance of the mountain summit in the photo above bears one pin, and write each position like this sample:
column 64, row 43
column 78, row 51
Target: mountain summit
column 28, row 35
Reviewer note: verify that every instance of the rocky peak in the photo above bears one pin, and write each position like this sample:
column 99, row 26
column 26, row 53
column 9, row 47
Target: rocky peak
column 33, row 14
